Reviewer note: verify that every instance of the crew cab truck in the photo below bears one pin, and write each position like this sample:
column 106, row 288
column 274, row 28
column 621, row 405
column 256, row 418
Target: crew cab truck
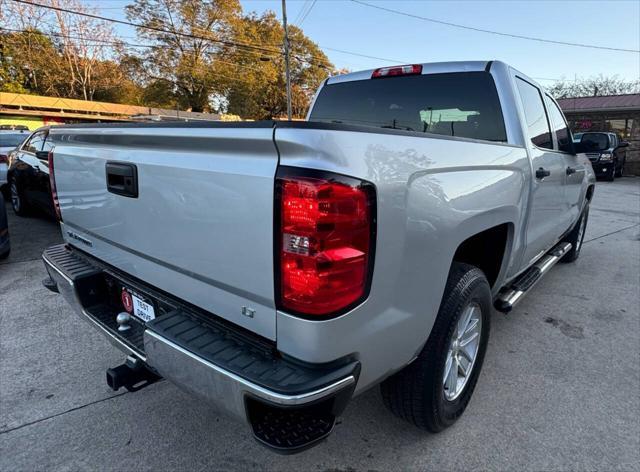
column 277, row 269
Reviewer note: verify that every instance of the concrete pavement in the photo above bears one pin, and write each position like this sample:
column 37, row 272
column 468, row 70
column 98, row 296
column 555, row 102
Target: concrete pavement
column 559, row 389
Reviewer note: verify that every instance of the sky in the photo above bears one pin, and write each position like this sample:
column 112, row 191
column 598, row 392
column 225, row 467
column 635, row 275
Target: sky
column 345, row 25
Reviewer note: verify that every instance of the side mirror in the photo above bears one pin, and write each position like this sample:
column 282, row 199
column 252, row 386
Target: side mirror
column 42, row 155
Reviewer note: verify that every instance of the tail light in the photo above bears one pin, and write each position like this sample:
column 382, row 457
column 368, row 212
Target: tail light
column 3, row 158
column 52, row 184
column 414, row 69
column 325, row 242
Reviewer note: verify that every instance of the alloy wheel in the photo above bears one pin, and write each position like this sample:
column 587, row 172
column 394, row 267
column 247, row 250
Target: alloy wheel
column 15, row 197
column 462, row 352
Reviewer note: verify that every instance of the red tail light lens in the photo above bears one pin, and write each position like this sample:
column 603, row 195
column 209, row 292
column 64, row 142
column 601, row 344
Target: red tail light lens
column 52, row 184
column 325, row 242
column 3, row 158
column 395, row 71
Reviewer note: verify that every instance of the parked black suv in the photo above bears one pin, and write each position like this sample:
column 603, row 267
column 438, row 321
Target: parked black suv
column 606, row 151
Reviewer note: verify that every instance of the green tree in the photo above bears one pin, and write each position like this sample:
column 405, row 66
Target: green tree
column 28, row 63
column 187, row 63
column 257, row 88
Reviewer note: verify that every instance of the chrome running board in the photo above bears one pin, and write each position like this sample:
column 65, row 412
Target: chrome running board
column 510, row 295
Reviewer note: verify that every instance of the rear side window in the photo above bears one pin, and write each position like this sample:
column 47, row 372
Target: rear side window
column 560, row 128
column 35, row 143
column 48, row 145
column 535, row 115
column 462, row 104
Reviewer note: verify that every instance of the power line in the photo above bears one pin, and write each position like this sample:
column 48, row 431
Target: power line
column 365, row 55
column 315, row 61
column 97, row 42
column 250, row 46
column 304, row 17
column 301, row 11
column 151, row 28
column 518, row 36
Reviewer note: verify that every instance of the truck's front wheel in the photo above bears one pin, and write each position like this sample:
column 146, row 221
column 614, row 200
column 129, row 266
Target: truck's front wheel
column 434, row 390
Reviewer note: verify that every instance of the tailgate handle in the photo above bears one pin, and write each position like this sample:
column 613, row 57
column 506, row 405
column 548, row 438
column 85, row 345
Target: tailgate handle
column 122, row 179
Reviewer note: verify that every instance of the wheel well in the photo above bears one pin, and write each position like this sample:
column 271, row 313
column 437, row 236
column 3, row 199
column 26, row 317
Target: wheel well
column 590, row 191
column 485, row 251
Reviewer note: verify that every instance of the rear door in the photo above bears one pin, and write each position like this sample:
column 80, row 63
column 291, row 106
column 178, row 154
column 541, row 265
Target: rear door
column 200, row 225
column 36, row 171
column 548, row 206
column 574, row 169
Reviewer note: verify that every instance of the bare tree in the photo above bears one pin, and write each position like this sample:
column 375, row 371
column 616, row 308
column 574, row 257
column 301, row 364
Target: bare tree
column 80, row 44
column 593, row 87
column 84, row 43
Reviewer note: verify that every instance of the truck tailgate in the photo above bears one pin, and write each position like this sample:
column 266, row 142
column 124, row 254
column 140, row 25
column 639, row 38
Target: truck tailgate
column 201, row 226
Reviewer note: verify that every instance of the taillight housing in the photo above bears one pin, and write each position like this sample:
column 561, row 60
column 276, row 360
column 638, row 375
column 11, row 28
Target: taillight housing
column 4, row 158
column 52, row 185
column 395, row 71
column 324, row 242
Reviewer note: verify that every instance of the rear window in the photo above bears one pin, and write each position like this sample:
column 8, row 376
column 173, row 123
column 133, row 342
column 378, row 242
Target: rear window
column 458, row 104
column 595, row 141
column 11, row 140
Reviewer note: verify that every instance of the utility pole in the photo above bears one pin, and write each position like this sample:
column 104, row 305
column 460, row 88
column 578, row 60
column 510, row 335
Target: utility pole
column 286, row 57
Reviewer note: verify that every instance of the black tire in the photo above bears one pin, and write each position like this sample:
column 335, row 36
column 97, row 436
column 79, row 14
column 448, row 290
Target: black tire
column 620, row 169
column 576, row 236
column 5, row 254
column 417, row 393
column 20, row 206
column 611, row 175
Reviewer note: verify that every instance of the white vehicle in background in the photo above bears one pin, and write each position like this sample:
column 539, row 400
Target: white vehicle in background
column 9, row 140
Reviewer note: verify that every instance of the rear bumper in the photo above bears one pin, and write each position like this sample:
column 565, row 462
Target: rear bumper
column 228, row 368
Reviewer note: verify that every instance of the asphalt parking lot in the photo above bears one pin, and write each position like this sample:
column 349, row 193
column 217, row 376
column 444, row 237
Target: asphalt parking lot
column 560, row 387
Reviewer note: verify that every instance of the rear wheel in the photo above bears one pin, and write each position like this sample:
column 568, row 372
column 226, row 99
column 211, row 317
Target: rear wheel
column 576, row 236
column 18, row 202
column 620, row 169
column 434, row 390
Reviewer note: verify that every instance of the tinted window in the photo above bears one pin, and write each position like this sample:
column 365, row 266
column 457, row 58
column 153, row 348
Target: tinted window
column 560, row 128
column 460, row 104
column 48, row 145
column 594, row 142
column 535, row 115
column 35, row 143
column 11, row 140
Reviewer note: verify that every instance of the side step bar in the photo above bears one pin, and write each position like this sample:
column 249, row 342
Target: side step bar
column 513, row 293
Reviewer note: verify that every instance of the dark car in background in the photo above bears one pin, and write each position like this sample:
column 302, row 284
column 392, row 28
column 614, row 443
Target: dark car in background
column 28, row 175
column 5, row 247
column 606, row 151
column 9, row 140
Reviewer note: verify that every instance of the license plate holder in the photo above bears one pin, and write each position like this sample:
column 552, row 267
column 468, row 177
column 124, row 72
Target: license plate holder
column 142, row 307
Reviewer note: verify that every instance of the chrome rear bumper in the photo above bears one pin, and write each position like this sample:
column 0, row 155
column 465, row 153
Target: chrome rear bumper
column 185, row 367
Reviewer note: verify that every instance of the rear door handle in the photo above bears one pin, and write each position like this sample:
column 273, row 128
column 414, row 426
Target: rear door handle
column 122, row 179
column 541, row 173
column 570, row 170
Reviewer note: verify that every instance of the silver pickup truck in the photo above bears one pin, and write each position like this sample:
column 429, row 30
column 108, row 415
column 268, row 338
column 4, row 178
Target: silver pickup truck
column 277, row 269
